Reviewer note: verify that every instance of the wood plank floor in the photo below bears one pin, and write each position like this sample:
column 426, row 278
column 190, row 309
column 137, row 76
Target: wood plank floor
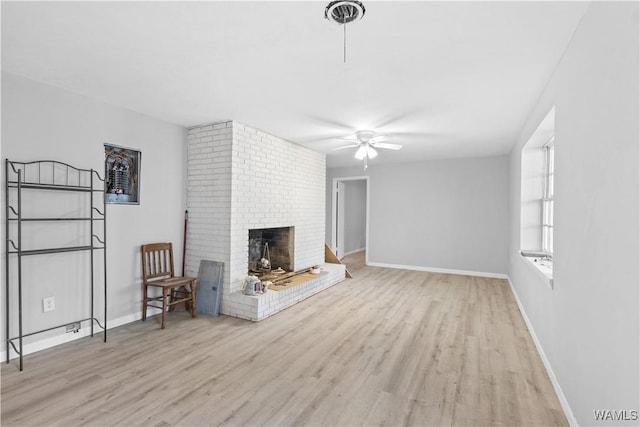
column 354, row 262
column 389, row 347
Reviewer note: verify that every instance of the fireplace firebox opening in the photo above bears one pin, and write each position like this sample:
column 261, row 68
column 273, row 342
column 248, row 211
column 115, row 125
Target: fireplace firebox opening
column 275, row 245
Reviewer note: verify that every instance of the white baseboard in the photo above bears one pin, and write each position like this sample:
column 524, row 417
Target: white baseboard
column 440, row 270
column 355, row 251
column 46, row 343
column 552, row 376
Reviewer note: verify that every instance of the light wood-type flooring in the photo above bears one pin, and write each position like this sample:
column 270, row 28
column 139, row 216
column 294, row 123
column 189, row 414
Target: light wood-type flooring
column 354, row 262
column 388, row 347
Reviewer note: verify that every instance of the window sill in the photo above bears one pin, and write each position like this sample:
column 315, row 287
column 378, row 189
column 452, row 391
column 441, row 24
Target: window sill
column 542, row 268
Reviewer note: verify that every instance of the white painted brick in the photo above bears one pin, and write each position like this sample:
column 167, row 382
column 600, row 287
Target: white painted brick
column 240, row 178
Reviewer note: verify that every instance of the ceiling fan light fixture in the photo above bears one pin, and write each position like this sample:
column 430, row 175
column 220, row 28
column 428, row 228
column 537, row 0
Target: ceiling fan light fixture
column 366, row 145
column 361, row 153
column 371, row 153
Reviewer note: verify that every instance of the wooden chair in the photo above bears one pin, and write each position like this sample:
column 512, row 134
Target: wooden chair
column 157, row 271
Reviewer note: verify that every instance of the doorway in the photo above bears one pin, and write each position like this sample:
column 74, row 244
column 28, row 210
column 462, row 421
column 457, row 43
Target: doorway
column 350, row 216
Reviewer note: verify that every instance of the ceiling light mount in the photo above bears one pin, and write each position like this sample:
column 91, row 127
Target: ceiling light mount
column 365, row 135
column 344, row 12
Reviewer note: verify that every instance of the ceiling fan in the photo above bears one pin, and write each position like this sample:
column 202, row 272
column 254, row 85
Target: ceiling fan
column 367, row 141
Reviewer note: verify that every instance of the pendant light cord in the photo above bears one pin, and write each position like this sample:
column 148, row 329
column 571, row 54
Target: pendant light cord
column 344, row 38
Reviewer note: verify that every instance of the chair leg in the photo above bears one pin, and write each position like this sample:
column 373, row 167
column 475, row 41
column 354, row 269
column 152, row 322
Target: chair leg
column 172, row 298
column 188, row 292
column 165, row 296
column 144, row 302
column 179, row 294
column 193, row 298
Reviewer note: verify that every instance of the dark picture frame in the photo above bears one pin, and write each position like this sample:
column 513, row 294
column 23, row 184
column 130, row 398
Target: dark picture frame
column 122, row 175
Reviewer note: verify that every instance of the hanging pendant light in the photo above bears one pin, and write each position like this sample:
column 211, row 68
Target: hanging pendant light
column 343, row 12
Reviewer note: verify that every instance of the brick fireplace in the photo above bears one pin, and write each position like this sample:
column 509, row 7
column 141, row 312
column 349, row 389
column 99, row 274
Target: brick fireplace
column 240, row 179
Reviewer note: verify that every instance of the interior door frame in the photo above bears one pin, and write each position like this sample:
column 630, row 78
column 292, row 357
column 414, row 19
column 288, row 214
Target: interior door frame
column 334, row 209
column 341, row 190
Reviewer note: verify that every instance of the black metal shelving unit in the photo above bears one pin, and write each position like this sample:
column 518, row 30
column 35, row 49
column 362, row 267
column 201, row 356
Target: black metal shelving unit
column 50, row 175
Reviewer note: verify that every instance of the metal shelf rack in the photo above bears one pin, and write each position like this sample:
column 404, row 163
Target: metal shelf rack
column 50, row 175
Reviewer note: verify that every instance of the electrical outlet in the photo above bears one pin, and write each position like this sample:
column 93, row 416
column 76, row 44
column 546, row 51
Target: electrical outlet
column 48, row 304
column 73, row 327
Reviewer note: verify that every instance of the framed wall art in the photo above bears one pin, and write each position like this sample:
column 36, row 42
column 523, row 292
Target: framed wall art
column 122, row 175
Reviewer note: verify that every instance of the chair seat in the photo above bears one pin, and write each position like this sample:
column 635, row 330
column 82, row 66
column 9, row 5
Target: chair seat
column 171, row 282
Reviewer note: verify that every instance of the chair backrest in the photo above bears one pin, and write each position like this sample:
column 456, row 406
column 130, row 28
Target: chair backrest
column 157, row 261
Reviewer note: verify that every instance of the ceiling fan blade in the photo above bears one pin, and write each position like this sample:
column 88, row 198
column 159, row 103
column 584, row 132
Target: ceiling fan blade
column 386, row 145
column 390, row 120
column 335, row 124
column 345, row 146
column 402, row 134
column 327, row 138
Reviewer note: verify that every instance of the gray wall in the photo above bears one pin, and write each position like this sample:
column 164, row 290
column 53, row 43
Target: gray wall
column 448, row 214
column 41, row 122
column 355, row 215
column 588, row 324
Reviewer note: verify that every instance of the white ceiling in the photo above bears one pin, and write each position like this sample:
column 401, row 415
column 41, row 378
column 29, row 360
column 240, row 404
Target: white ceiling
column 445, row 79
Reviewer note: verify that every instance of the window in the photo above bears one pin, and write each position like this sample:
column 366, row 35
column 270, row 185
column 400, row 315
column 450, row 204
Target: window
column 536, row 198
column 547, row 199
